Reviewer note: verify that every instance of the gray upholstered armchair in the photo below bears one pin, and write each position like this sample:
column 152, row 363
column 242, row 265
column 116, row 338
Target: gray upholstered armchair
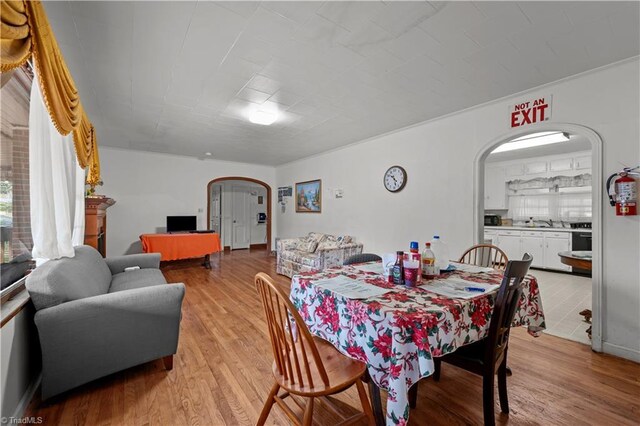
column 95, row 318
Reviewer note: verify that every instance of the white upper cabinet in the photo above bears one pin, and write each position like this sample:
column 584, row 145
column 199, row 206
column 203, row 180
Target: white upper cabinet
column 582, row 162
column 535, row 167
column 495, row 192
column 560, row 164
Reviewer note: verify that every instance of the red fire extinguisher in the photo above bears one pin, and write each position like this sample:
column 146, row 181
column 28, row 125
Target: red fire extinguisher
column 623, row 194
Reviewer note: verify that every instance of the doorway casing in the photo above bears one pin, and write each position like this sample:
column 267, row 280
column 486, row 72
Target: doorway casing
column 246, row 179
column 596, row 205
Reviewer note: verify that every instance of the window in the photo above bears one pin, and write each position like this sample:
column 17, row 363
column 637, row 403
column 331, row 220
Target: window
column 15, row 220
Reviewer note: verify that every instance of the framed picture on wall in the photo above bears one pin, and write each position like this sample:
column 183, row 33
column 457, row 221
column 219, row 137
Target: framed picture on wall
column 309, row 196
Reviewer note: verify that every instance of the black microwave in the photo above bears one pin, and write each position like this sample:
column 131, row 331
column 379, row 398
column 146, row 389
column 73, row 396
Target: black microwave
column 492, row 220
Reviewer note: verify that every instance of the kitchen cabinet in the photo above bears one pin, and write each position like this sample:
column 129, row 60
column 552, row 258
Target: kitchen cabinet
column 495, row 192
column 533, row 243
column 582, row 163
column 552, row 246
column 509, row 242
column 535, row 167
column 560, row 164
column 490, row 237
column 544, row 246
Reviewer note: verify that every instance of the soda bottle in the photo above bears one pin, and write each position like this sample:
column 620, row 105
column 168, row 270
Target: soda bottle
column 414, row 249
column 398, row 269
column 429, row 262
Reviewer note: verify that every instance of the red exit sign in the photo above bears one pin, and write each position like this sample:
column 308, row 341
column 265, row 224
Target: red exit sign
column 531, row 111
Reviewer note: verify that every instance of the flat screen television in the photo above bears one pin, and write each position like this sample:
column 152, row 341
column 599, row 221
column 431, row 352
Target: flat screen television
column 181, row 223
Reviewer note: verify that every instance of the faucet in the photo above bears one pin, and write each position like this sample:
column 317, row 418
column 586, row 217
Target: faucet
column 549, row 222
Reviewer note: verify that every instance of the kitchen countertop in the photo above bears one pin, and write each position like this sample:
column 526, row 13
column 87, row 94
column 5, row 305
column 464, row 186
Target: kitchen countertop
column 526, row 228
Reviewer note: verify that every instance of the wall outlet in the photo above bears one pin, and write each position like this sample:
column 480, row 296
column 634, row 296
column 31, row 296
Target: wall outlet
column 339, row 193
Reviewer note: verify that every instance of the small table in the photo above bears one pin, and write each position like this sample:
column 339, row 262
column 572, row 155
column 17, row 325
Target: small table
column 576, row 259
column 182, row 246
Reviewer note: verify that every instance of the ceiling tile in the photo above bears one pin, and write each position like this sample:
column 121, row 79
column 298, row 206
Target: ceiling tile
column 270, row 26
column 350, row 14
column 181, row 77
column 242, row 8
column 297, row 11
column 251, row 95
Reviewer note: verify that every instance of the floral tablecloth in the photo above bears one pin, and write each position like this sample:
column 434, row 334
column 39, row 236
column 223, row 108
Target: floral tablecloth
column 398, row 334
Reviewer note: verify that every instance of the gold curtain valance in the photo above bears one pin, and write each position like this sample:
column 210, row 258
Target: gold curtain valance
column 25, row 31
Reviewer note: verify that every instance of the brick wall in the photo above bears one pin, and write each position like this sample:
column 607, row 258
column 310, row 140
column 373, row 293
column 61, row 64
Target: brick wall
column 21, row 235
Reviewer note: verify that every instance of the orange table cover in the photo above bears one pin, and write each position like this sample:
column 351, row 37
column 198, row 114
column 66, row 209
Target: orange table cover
column 180, row 246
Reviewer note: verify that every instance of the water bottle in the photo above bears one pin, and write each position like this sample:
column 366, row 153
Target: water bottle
column 441, row 251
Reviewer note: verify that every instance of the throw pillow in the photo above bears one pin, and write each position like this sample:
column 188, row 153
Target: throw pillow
column 307, row 246
column 316, row 236
column 327, row 245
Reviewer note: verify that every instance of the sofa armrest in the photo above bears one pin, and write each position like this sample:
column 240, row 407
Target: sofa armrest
column 144, row 260
column 286, row 244
column 332, row 257
column 89, row 338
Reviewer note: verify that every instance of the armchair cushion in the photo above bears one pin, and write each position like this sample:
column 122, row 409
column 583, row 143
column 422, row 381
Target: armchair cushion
column 136, row 279
column 63, row 280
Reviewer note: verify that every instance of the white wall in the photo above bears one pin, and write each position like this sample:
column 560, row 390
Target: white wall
column 439, row 157
column 148, row 187
column 20, row 363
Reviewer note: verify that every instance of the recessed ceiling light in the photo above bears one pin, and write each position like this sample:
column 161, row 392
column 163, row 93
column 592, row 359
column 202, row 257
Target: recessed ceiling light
column 208, row 154
column 532, row 140
column 263, row 117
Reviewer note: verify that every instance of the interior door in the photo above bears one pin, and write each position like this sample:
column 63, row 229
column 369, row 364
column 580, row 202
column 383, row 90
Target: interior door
column 216, row 210
column 240, row 211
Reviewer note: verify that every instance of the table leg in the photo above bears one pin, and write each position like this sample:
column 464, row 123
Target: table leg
column 376, row 403
column 207, row 261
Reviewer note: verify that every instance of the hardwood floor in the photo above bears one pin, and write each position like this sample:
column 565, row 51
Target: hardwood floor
column 222, row 371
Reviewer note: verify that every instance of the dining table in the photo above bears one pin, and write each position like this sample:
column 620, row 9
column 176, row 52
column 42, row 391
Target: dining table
column 397, row 334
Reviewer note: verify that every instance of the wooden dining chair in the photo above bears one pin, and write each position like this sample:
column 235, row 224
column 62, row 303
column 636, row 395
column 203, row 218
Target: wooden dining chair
column 362, row 258
column 303, row 365
column 489, row 355
column 486, row 255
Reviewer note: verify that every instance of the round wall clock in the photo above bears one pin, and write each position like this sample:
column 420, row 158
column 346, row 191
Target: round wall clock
column 395, row 178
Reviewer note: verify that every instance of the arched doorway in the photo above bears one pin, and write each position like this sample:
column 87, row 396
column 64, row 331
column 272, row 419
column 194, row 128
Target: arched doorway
column 596, row 153
column 245, row 179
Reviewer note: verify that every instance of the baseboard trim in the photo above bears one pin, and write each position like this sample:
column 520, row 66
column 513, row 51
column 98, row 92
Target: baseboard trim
column 620, row 351
column 258, row 246
column 26, row 398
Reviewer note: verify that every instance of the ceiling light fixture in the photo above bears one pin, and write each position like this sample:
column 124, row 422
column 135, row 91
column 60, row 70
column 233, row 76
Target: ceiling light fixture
column 263, row 117
column 208, row 154
column 533, row 140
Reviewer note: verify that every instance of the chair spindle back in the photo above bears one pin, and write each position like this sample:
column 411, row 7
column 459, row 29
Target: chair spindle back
column 486, row 255
column 291, row 341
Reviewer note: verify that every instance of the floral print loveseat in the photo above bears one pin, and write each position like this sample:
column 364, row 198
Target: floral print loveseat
column 314, row 252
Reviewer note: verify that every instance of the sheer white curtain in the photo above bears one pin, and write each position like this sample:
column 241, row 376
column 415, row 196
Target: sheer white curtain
column 56, row 186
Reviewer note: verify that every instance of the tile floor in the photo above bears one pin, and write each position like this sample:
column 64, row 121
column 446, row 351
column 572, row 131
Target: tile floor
column 563, row 297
